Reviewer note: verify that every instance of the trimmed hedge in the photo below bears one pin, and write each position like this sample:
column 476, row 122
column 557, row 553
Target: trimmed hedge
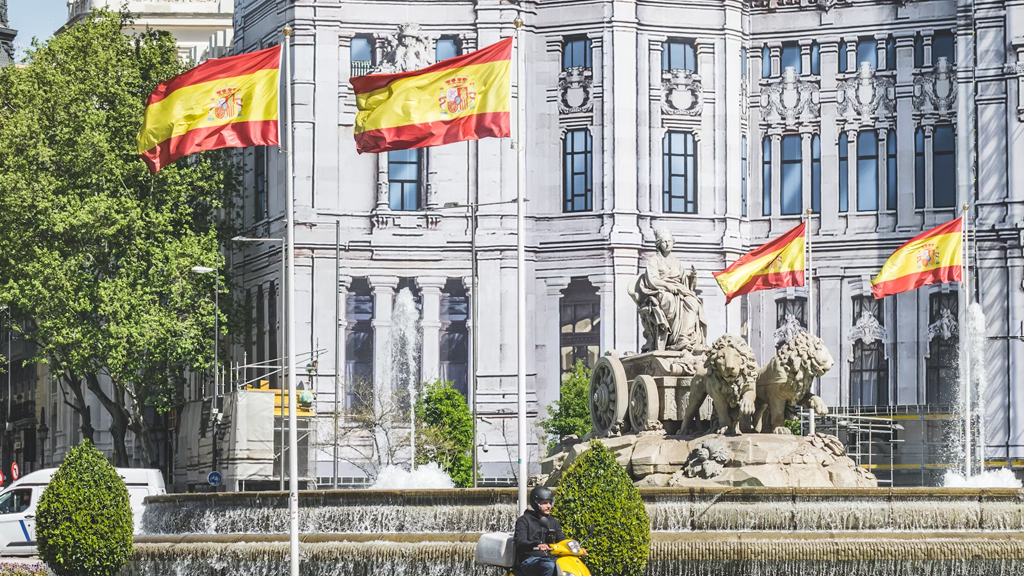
column 84, row 521
column 596, row 491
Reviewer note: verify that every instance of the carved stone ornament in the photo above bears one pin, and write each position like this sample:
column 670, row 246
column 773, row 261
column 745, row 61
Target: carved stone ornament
column 945, row 327
column 790, row 101
column 824, row 5
column 935, row 90
column 791, row 327
column 576, row 90
column 1016, row 69
column 867, row 97
column 406, row 50
column 682, row 93
column 867, row 329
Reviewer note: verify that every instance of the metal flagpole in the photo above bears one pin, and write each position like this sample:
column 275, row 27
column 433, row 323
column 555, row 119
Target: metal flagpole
column 965, row 339
column 293, row 376
column 809, row 283
column 520, row 144
column 337, row 340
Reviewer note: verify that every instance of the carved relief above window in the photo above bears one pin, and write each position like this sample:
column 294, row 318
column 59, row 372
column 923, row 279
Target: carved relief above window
column 682, row 93
column 935, row 90
column 790, row 101
column 867, row 97
column 1016, row 69
column 406, row 50
column 825, row 5
column 576, row 90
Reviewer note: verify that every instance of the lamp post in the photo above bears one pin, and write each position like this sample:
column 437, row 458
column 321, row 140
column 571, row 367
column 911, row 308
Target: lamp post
column 284, row 328
column 216, row 364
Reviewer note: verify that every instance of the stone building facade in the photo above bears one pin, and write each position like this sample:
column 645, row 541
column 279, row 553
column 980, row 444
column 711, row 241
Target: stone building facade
column 720, row 120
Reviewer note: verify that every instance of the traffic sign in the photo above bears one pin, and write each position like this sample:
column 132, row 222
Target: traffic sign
column 14, row 471
column 2, row 479
column 214, row 478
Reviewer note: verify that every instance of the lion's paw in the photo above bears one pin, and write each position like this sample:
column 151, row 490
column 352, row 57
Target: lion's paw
column 782, row 430
column 819, row 406
column 746, row 406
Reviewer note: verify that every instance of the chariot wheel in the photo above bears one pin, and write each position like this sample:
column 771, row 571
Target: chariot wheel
column 643, row 402
column 608, row 394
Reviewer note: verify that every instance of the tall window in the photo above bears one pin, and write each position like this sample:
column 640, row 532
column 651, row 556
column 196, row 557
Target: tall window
column 919, row 168
column 891, row 171
column 678, row 55
column 766, row 62
column 791, row 56
column 867, row 171
column 944, row 167
column 361, row 56
column 581, row 324
column 260, row 177
column 816, row 174
column 445, row 48
column 680, row 172
column 941, row 378
column 743, row 177
column 743, row 61
column 578, row 168
column 577, row 52
column 404, row 179
column 815, row 59
column 792, row 175
column 274, row 353
column 844, row 172
column 890, row 53
column 454, row 352
column 359, row 344
column 843, row 57
column 943, row 46
column 869, row 373
column 766, row 176
column 918, row 51
column 867, row 51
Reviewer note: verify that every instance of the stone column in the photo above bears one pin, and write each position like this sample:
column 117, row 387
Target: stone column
column 775, row 53
column 554, row 326
column 805, row 167
column 830, row 330
column 383, row 301
column 619, row 127
column 707, row 161
column 905, row 132
column 606, row 290
column 655, row 132
column 851, row 55
column 430, row 361
column 382, row 183
column 880, row 50
column 341, row 361
column 829, row 151
column 805, row 56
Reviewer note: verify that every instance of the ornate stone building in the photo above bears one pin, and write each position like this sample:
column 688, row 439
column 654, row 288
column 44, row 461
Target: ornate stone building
column 720, row 120
column 6, row 37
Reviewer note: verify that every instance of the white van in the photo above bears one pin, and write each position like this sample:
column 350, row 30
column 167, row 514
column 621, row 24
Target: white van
column 19, row 500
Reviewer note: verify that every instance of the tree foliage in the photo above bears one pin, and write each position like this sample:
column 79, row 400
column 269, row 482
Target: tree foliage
column 445, row 435
column 97, row 253
column 597, row 492
column 571, row 413
column 84, row 519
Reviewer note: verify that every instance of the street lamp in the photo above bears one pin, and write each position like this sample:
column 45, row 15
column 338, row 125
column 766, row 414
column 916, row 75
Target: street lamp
column 216, row 320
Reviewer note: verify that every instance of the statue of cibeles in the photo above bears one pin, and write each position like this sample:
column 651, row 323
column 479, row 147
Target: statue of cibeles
column 666, row 297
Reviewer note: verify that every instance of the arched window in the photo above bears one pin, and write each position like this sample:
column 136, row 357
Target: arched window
column 815, row 59
column 944, row 167
column 843, row 57
column 867, row 171
column 792, row 175
column 816, row 174
column 844, row 172
column 919, row 168
column 766, row 62
column 891, row 171
column 580, row 320
column 578, row 169
column 679, row 172
column 766, row 176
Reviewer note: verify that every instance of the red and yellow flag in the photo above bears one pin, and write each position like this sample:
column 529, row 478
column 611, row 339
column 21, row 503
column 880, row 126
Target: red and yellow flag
column 463, row 98
column 777, row 264
column 934, row 257
column 223, row 103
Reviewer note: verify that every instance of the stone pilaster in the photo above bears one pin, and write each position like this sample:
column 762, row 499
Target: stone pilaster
column 431, row 287
column 383, row 302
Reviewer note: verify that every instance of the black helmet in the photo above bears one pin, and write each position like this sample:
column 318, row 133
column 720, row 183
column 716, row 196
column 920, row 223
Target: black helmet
column 540, row 493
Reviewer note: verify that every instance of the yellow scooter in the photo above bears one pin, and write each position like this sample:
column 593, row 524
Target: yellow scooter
column 499, row 549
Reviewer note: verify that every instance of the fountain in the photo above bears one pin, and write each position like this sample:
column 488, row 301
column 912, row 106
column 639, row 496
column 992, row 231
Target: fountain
column 405, row 356
column 728, row 500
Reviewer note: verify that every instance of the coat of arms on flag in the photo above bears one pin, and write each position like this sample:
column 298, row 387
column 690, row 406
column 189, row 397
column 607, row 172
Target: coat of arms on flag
column 458, row 96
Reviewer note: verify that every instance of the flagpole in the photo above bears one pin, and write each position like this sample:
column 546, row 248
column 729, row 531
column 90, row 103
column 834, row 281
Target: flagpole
column 521, row 252
column 809, row 283
column 965, row 339
column 293, row 377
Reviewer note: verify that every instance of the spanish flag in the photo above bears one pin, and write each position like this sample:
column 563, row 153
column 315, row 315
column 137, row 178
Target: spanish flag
column 223, row 103
column 777, row 264
column 934, row 257
column 463, row 98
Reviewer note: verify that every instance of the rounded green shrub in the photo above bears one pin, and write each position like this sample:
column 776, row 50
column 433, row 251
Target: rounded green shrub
column 596, row 492
column 84, row 521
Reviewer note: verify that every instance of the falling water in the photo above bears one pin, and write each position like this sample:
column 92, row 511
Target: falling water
column 405, row 356
column 978, row 380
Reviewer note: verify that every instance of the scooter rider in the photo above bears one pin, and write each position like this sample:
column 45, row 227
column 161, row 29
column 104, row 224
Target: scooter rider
column 532, row 536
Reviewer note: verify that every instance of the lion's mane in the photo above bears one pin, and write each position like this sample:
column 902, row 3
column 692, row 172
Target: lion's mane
column 799, row 357
column 746, row 377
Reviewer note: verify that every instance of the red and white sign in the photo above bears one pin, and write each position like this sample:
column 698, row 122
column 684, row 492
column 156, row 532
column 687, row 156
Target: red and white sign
column 2, row 480
column 14, row 470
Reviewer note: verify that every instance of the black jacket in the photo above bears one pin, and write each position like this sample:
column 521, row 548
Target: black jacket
column 530, row 534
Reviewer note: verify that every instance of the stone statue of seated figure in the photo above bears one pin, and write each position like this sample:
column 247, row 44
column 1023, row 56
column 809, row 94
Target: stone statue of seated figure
column 671, row 313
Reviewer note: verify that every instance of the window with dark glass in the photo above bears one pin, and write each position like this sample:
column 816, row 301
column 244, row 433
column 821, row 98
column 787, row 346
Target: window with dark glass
column 943, row 46
column 578, row 169
column 919, row 168
column 944, row 167
column 890, row 53
column 766, row 176
column 260, row 180
column 816, row 174
column 680, row 172
column 580, row 316
column 869, row 371
column 446, row 48
column 361, row 55
column 844, row 172
column 843, row 57
column 918, row 51
column 274, row 353
column 250, row 328
column 743, row 61
column 941, row 373
column 891, row 171
column 792, row 175
column 743, row 177
column 404, row 179
column 260, row 356
column 766, row 62
column 577, row 52
column 791, row 57
column 867, row 51
column 867, row 171
column 454, row 349
column 359, row 344
column 815, row 59
column 678, row 55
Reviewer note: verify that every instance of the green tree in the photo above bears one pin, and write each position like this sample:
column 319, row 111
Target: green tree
column 97, row 252
column 571, row 413
column 445, row 433
column 596, row 493
column 84, row 519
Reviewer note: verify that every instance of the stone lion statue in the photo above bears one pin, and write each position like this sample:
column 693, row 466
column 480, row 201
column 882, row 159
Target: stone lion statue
column 728, row 376
column 787, row 378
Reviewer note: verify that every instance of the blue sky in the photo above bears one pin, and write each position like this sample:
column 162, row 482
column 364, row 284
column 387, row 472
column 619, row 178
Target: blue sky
column 39, row 18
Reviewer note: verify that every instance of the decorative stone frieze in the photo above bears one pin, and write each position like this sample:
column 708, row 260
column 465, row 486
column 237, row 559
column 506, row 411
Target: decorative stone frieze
column 935, row 90
column 576, row 90
column 867, row 330
column 824, row 5
column 407, row 50
column 866, row 97
column 682, row 93
column 790, row 101
column 1016, row 70
column 945, row 327
column 790, row 327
